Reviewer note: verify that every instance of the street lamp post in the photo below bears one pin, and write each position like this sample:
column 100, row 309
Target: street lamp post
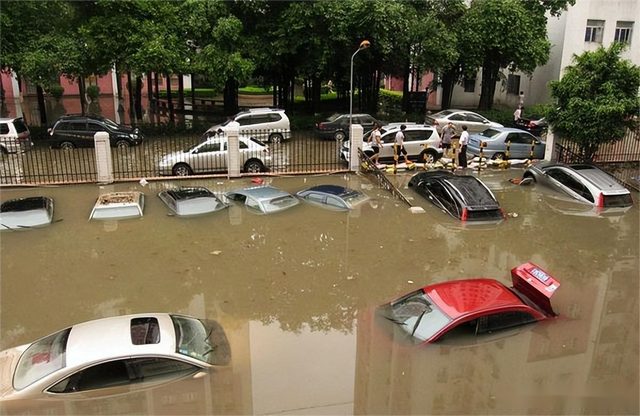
column 363, row 45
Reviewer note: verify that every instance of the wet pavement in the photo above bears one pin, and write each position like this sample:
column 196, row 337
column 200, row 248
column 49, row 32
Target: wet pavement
column 296, row 292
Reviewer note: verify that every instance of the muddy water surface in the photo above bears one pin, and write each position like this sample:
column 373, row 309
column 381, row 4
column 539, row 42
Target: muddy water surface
column 295, row 293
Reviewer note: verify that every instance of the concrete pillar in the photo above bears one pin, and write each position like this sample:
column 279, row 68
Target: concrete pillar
column 104, row 163
column 233, row 152
column 550, row 149
column 355, row 136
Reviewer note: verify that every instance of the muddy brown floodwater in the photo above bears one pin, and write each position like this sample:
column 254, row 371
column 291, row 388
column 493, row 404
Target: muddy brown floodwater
column 295, row 293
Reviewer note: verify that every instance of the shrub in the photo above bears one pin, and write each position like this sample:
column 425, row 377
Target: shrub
column 56, row 91
column 93, row 91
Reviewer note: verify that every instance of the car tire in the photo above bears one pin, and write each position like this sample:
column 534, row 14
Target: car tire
column 276, row 138
column 181, row 169
column 67, row 146
column 123, row 144
column 253, row 166
column 339, row 135
column 499, row 156
column 429, row 156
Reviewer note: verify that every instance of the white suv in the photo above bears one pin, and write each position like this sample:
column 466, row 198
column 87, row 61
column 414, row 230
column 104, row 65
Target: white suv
column 14, row 136
column 417, row 139
column 270, row 124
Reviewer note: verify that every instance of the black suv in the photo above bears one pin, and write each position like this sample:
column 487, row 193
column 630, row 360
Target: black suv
column 337, row 126
column 70, row 132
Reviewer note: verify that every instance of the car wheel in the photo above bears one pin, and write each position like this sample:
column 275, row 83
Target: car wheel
column 123, row 144
column 181, row 169
column 275, row 138
column 339, row 136
column 67, row 146
column 430, row 157
column 253, row 166
column 499, row 156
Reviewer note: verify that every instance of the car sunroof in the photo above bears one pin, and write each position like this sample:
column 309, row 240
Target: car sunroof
column 145, row 331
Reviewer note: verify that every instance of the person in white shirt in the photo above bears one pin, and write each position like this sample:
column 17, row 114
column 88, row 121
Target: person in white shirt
column 464, row 140
column 376, row 143
column 517, row 113
column 399, row 146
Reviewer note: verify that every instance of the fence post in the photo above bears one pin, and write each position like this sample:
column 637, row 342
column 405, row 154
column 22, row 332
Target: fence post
column 102, row 152
column 550, row 150
column 355, row 137
column 233, row 152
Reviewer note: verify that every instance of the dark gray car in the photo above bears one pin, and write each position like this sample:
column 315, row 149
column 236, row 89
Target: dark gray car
column 583, row 182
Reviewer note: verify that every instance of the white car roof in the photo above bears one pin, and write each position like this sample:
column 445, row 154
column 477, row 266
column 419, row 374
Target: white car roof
column 108, row 338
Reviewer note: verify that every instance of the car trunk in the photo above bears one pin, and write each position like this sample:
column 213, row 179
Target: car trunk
column 536, row 285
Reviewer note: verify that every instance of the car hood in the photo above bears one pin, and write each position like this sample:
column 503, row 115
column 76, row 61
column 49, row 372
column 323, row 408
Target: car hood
column 8, row 362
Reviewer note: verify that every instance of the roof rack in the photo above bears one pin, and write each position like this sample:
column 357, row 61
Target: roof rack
column 253, row 110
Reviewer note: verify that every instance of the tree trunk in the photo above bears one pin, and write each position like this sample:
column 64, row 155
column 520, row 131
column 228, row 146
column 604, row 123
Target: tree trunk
column 83, row 94
column 131, row 99
column 180, row 92
column 448, row 82
column 172, row 118
column 275, row 92
column 489, row 78
column 156, row 93
column 1, row 89
column 149, row 88
column 405, row 88
column 193, row 92
column 41, row 106
column 230, row 96
column 139, row 98
column 118, row 81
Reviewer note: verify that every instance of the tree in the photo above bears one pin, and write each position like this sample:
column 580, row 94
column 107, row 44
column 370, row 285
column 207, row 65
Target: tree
column 596, row 100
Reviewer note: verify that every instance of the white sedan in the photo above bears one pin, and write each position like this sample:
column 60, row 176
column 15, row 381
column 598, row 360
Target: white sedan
column 111, row 353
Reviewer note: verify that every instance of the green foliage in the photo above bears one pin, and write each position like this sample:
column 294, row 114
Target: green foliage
column 253, row 90
column 390, row 100
column 55, row 91
column 596, row 100
column 504, row 117
column 93, row 92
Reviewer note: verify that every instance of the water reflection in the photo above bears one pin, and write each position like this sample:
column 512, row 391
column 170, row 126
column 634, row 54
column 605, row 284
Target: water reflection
column 295, row 292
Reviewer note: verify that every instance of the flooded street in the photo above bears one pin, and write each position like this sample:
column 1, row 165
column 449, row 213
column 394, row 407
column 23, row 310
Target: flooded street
column 296, row 292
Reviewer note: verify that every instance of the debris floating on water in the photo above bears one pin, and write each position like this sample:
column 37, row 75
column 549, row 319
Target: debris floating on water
column 216, row 252
column 417, row 210
column 143, row 182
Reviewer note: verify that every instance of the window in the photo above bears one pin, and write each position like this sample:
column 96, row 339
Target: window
column 513, row 84
column 442, row 197
column 414, row 135
column 315, row 197
column 95, row 127
column 503, row 321
column 42, row 358
column 4, row 128
column 595, row 28
column 210, row 147
column 62, row 127
column 241, row 145
column 571, row 183
column 145, row 330
column 79, row 126
column 474, row 118
column 275, row 117
column 260, row 119
column 520, row 138
column 244, row 121
column 623, row 32
column 469, row 84
column 457, row 117
column 333, row 201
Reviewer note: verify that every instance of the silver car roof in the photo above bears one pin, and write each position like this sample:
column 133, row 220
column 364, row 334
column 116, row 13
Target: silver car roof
column 598, row 178
column 260, row 192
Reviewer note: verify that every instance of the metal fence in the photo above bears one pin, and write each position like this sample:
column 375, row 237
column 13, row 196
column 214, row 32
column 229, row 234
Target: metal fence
column 261, row 152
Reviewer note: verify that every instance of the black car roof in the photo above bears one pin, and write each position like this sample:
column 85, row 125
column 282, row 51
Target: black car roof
column 475, row 194
column 25, row 204
column 189, row 193
column 336, row 190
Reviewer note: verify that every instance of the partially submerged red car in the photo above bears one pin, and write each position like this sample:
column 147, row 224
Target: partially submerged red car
column 488, row 305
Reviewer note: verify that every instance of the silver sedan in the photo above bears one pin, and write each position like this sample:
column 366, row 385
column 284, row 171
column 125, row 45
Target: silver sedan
column 475, row 122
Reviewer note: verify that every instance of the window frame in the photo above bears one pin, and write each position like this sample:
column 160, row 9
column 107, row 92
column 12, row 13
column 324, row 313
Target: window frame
column 594, row 31
column 623, row 27
column 513, row 84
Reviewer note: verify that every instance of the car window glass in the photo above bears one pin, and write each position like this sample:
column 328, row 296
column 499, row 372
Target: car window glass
column 275, row 117
column 210, row 147
column 242, row 145
column 78, row 126
column 4, row 128
column 516, row 138
column 333, row 201
column 474, row 118
column 527, row 138
column 367, row 120
column 259, row 119
column 315, row 197
column 413, row 135
column 62, row 127
column 457, row 117
column 149, row 369
column 252, row 203
column 95, row 127
column 442, row 195
column 570, row 182
column 20, row 126
column 503, row 320
column 244, row 121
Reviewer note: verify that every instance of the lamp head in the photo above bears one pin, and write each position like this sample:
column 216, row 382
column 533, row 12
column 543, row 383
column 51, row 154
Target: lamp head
column 364, row 44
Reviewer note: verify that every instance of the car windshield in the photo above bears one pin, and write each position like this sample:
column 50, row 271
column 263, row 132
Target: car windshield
column 419, row 316
column 279, row 203
column 355, row 198
column 42, row 358
column 110, row 123
column 334, row 117
column 18, row 123
column 490, row 133
column 201, row 339
column 442, row 114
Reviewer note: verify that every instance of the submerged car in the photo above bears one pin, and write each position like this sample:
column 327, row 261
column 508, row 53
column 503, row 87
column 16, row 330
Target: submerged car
column 211, row 156
column 26, row 213
column 480, row 305
column 186, row 201
column 113, row 353
column 118, row 206
column 583, row 182
column 494, row 144
column 461, row 196
column 333, row 197
column 263, row 199
column 475, row 122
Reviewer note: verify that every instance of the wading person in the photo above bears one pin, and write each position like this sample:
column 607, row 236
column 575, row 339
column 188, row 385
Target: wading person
column 448, row 132
column 376, row 143
column 462, row 156
column 399, row 146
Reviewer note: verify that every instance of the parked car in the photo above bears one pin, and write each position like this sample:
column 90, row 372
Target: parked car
column 535, row 127
column 462, row 196
column 418, row 139
column 26, row 213
column 14, row 136
column 118, row 206
column 333, row 197
column 74, row 131
column 496, row 139
column 337, row 126
column 211, row 156
column 475, row 122
column 263, row 199
column 187, row 201
column 478, row 305
column 111, row 354
column 585, row 183
column 268, row 124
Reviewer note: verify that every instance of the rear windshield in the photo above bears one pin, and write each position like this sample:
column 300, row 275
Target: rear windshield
column 489, row 133
column 279, row 203
column 20, row 126
column 334, row 117
column 474, row 194
column 42, row 358
column 624, row 200
column 443, row 113
column 484, row 215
